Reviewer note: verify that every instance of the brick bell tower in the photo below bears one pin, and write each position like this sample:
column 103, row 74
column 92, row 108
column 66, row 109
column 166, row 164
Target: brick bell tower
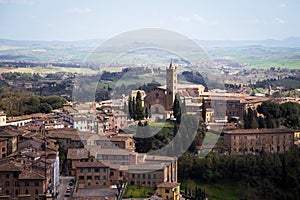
column 171, row 84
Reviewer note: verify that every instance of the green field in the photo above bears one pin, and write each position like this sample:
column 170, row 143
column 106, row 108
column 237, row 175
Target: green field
column 282, row 63
column 228, row 190
column 133, row 191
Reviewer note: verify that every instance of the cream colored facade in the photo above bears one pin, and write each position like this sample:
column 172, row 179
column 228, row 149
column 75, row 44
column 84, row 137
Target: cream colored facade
column 168, row 191
column 2, row 118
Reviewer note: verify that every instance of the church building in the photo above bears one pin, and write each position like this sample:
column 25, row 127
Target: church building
column 160, row 100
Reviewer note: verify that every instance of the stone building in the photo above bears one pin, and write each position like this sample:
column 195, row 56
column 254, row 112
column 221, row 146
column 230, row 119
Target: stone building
column 160, row 100
column 11, row 134
column 168, row 191
column 3, row 147
column 247, row 141
column 147, row 171
column 18, row 182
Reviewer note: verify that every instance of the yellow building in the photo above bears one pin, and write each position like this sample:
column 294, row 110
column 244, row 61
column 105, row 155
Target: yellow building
column 297, row 134
column 168, row 190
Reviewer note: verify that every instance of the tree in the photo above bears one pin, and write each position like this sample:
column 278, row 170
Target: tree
column 139, row 111
column 45, row 108
column 272, row 113
column 133, row 109
column 177, row 109
column 130, row 107
column 146, row 112
column 203, row 110
column 250, row 119
column 143, row 141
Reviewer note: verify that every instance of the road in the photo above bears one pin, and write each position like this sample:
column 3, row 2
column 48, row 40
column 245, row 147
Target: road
column 64, row 181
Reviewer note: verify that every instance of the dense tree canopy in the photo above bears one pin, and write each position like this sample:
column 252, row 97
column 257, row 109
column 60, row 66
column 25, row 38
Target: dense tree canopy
column 274, row 116
column 266, row 176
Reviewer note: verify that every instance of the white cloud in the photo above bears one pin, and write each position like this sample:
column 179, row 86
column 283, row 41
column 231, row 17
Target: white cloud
column 78, row 10
column 195, row 19
column 182, row 19
column 200, row 19
column 279, row 20
column 282, row 5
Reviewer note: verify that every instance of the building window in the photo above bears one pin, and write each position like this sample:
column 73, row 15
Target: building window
column 167, row 191
column 96, row 177
column 96, row 170
column 104, row 170
column 89, row 170
column 154, row 176
column 36, row 191
column 36, row 184
column 7, row 192
column 104, row 184
column 89, row 177
column 81, row 177
column 89, row 183
column 144, row 176
column 139, row 176
column 104, row 177
column 111, row 173
column 26, row 191
column 81, row 170
column 149, row 176
column 17, row 192
column 26, row 183
column 7, row 183
column 7, row 175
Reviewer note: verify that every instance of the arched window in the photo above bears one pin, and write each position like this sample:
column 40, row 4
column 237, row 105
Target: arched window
column 7, row 183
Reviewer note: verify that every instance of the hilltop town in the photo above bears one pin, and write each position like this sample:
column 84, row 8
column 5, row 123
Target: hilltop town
column 110, row 148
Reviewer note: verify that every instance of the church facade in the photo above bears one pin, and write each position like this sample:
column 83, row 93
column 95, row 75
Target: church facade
column 160, row 100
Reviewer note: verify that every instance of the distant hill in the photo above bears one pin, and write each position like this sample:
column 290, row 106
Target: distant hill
column 287, row 42
column 37, row 43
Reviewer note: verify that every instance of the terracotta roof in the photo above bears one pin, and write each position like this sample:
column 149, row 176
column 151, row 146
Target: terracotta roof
column 168, row 185
column 67, row 133
column 9, row 167
column 30, row 175
column 19, row 118
column 3, row 139
column 77, row 164
column 119, row 139
column 8, row 131
column 76, row 154
column 259, row 131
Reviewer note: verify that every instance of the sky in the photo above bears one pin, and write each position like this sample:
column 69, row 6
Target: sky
column 69, row 20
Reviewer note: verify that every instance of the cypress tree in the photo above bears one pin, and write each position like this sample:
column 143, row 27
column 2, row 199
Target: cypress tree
column 139, row 107
column 130, row 107
column 133, row 109
column 146, row 112
column 177, row 109
column 203, row 110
